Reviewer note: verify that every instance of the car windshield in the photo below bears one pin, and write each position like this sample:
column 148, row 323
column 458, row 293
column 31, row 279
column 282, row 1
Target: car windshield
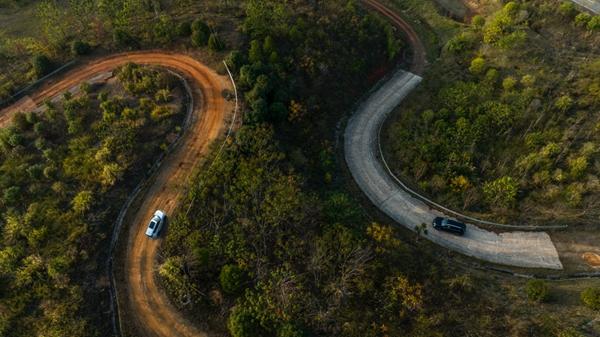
column 445, row 222
column 152, row 224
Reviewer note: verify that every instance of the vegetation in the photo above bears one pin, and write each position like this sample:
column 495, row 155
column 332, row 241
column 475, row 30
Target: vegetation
column 269, row 243
column 505, row 124
column 63, row 30
column 537, row 291
column 591, row 298
column 64, row 173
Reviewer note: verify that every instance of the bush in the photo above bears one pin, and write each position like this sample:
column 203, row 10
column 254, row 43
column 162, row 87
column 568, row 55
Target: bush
column 199, row 39
column 231, row 278
column 214, row 43
column 537, row 290
column 79, row 48
column 501, row 192
column 567, row 8
column 594, row 23
column 41, row 65
column 184, row 29
column 123, row 39
column 591, row 298
column 477, row 65
column 582, row 19
column 242, row 323
column 478, row 21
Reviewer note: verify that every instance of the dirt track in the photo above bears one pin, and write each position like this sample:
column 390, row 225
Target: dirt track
column 150, row 309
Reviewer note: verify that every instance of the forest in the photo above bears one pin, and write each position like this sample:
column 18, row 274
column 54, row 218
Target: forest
column 271, row 241
column 272, row 238
column 508, row 128
column 64, row 172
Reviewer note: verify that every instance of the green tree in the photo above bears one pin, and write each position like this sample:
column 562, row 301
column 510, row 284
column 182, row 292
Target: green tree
column 232, row 278
column 215, row 43
column 501, row 192
column 79, row 48
column 537, row 290
column 591, row 298
column 41, row 65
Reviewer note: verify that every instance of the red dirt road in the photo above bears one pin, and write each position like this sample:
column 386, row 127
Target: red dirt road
column 419, row 60
column 146, row 305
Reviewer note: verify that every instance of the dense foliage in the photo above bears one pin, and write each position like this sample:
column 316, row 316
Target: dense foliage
column 64, row 173
column 268, row 243
column 506, row 125
column 67, row 29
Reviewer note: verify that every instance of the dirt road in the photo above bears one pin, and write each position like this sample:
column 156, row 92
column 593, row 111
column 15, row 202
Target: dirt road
column 419, row 57
column 147, row 306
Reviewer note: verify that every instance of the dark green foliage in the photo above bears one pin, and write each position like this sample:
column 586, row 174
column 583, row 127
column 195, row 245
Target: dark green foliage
column 79, row 48
column 123, row 39
column 200, row 33
column 214, row 43
column 164, row 30
column 64, row 174
column 231, row 278
column 591, row 298
column 537, row 291
column 184, row 29
column 41, row 65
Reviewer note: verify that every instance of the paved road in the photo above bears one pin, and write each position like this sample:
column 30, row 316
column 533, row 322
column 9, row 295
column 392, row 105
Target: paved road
column 145, row 306
column 520, row 249
column 592, row 5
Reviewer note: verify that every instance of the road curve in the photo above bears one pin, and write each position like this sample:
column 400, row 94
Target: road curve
column 362, row 153
column 149, row 309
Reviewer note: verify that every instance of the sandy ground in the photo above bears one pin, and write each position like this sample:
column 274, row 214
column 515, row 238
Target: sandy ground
column 152, row 311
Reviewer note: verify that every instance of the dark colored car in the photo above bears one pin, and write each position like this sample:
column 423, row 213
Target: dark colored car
column 449, row 225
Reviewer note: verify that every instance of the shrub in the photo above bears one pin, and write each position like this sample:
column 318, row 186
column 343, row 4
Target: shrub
column 123, row 39
column 509, row 83
column 199, row 39
column 537, row 290
column 477, row 65
column 231, row 278
column 501, row 192
column 214, row 43
column 200, row 26
column 594, row 23
column 567, row 8
column 79, row 48
column 184, row 29
column 243, row 323
column 591, row 298
column 478, row 21
column 41, row 65
column 582, row 19
column 564, row 103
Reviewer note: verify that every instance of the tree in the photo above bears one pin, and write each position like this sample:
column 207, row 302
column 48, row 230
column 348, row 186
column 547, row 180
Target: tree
column 164, row 30
column 591, row 298
column 477, row 65
column 79, row 48
column 214, row 43
column 184, row 29
column 501, row 192
column 231, row 278
column 41, row 65
column 199, row 38
column 242, row 323
column 537, row 290
column 82, row 202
